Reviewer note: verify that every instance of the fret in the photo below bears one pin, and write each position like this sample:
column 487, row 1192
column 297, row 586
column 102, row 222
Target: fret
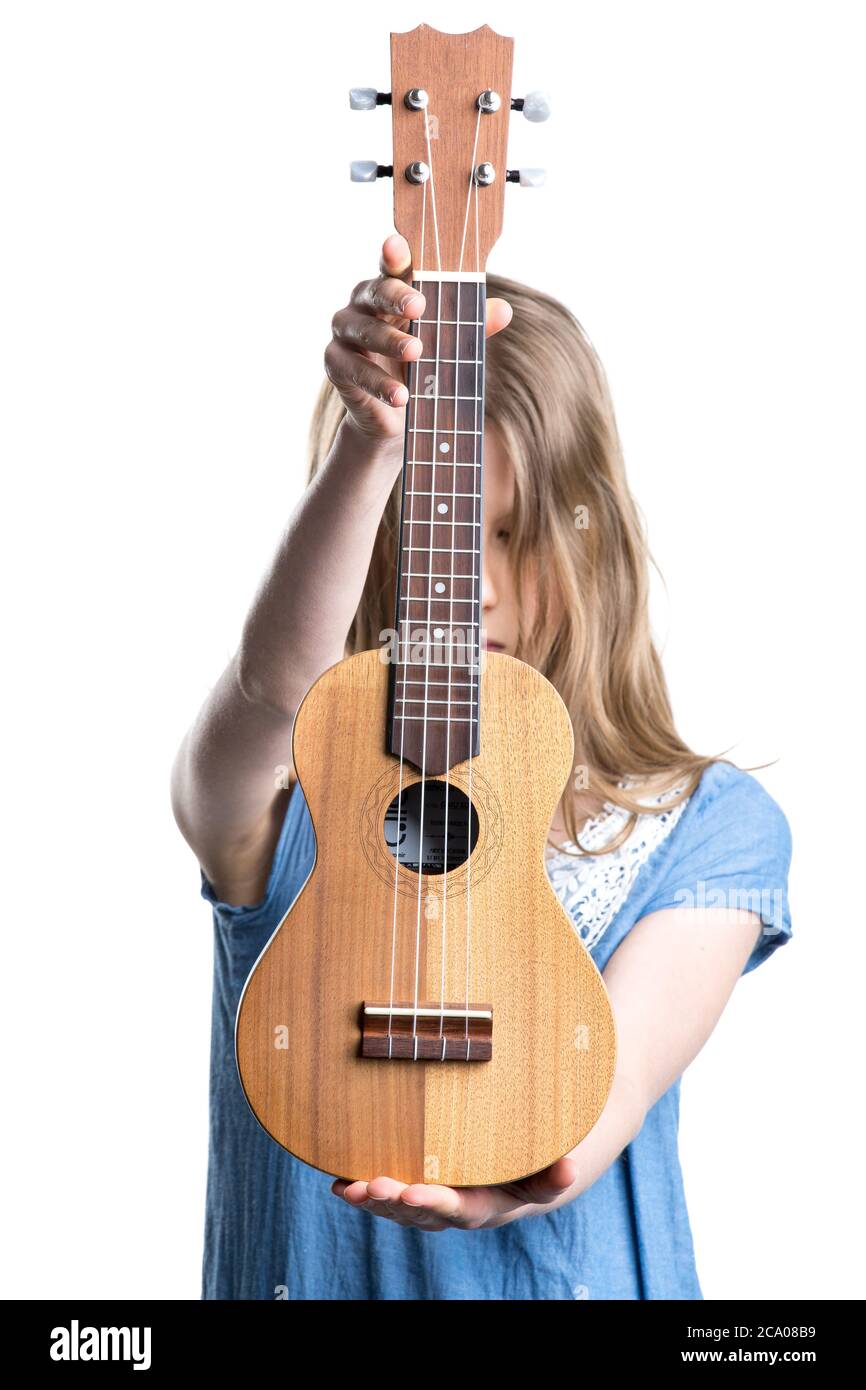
column 436, row 718
column 450, row 277
column 423, row 700
column 431, row 521
column 424, row 429
column 438, row 666
column 465, row 664
column 440, row 630
column 448, row 361
column 422, row 638
column 460, row 365
column 421, row 594
column 421, row 598
column 435, row 574
column 437, row 520
column 463, row 654
column 446, row 430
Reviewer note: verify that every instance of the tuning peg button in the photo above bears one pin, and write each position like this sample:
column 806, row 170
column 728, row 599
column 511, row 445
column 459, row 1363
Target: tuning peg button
column 367, row 98
column 535, row 106
column 527, row 178
column 367, row 171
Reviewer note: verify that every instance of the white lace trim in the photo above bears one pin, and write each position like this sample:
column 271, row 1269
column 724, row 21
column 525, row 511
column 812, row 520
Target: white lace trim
column 593, row 888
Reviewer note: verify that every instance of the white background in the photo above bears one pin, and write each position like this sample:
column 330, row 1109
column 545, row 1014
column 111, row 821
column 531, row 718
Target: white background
column 178, row 228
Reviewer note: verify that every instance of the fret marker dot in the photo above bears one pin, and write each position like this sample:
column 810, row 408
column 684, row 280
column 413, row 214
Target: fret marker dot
column 443, row 448
column 437, row 632
column 443, row 507
column 440, row 588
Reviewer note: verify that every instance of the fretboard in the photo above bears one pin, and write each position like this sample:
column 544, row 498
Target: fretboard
column 434, row 691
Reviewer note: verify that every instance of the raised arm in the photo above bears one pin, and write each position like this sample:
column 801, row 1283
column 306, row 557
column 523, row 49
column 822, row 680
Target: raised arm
column 226, row 798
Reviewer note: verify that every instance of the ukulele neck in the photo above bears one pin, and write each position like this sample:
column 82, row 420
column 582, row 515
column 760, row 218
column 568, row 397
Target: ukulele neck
column 435, row 676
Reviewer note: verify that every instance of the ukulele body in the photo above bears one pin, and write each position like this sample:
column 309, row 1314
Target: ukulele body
column 493, row 923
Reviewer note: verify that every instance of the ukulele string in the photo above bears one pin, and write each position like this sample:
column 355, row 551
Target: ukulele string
column 472, row 189
column 400, row 639
column 432, row 182
column 410, row 493
column 477, row 459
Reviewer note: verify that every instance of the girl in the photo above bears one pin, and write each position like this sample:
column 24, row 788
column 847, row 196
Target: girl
column 672, row 866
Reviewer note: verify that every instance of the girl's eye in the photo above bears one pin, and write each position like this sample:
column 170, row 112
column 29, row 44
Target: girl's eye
column 502, row 535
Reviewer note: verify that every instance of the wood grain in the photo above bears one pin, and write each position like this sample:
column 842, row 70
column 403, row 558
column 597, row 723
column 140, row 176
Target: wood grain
column 454, row 69
column 554, row 1043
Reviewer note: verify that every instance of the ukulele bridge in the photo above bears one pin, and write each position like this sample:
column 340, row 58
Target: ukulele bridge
column 428, row 1032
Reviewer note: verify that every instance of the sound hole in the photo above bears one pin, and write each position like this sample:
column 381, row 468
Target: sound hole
column 428, row 853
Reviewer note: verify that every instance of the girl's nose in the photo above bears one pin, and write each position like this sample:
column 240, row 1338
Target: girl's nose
column 488, row 588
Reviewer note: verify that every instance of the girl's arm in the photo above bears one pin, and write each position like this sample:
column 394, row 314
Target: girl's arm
column 225, row 794
column 226, row 797
column 668, row 982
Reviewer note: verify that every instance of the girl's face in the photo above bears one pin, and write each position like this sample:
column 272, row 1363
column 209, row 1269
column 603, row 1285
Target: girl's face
column 499, row 606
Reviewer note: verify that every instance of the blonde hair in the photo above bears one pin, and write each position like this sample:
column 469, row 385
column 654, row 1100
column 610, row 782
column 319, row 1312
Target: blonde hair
column 547, row 395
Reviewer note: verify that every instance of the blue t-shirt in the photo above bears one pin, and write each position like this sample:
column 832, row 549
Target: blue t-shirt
column 275, row 1230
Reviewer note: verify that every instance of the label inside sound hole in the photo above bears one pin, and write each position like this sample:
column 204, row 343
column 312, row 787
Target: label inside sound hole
column 420, row 821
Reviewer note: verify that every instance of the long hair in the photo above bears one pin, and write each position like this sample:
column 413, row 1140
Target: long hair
column 577, row 529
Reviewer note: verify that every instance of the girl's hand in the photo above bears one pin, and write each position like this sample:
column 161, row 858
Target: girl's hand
column 368, row 354
column 435, row 1208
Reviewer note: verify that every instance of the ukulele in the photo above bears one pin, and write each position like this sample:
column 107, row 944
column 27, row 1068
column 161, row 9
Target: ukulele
column 426, row 1010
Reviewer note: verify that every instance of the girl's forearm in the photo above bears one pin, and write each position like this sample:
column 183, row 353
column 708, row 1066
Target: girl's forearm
column 299, row 621
column 619, row 1123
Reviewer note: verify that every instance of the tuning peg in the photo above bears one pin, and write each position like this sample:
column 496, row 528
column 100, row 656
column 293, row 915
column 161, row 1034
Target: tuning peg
column 527, row 178
column 535, row 106
column 367, row 171
column 367, row 98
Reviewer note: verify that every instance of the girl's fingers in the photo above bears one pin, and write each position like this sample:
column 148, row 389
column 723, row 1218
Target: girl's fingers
column 384, row 1197
column 355, row 376
column 388, row 295
column 423, row 1204
column 419, row 1203
column 462, row 1206
column 395, row 261
column 499, row 315
column 540, row 1187
column 355, row 1193
column 395, row 258
column 370, row 331
column 363, row 330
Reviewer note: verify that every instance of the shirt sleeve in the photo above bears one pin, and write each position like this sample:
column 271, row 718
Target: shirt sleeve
column 279, row 889
column 735, row 852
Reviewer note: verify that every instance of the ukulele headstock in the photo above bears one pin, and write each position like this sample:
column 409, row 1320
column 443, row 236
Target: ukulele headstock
column 450, row 109
column 450, row 104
